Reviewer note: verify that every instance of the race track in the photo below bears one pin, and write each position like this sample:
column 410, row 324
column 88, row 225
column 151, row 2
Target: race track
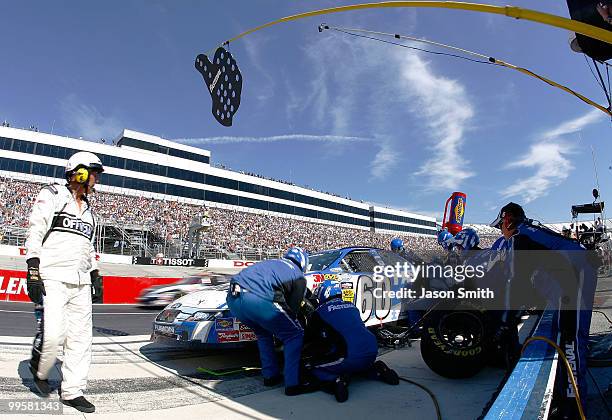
column 132, row 378
column 17, row 319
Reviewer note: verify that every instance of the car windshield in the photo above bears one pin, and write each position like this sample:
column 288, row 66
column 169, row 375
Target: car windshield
column 318, row 262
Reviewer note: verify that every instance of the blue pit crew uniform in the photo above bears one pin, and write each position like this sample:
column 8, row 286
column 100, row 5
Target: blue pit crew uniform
column 397, row 246
column 266, row 297
column 567, row 280
column 346, row 345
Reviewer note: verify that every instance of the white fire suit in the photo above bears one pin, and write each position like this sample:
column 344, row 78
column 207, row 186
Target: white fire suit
column 61, row 236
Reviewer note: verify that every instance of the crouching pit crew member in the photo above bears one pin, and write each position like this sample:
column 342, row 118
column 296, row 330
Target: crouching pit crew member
column 266, row 297
column 343, row 344
column 61, row 269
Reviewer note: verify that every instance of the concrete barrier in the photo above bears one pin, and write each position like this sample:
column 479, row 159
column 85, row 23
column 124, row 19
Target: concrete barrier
column 528, row 391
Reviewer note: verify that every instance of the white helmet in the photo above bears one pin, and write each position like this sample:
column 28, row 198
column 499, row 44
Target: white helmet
column 84, row 160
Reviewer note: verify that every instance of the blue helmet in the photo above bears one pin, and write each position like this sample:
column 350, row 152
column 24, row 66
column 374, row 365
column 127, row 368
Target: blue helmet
column 298, row 256
column 397, row 244
column 327, row 290
column 445, row 239
column 467, row 238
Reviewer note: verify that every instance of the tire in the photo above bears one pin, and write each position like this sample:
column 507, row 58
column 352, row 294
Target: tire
column 453, row 340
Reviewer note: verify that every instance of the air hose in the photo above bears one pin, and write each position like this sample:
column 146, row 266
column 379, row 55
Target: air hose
column 570, row 373
column 431, row 394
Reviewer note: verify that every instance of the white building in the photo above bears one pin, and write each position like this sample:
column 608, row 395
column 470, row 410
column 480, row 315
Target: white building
column 143, row 164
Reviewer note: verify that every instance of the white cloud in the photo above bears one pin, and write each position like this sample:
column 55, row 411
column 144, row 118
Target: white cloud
column 573, row 126
column 552, row 166
column 447, row 112
column 549, row 156
column 384, row 161
column 253, row 47
column 272, row 139
column 360, row 85
column 87, row 121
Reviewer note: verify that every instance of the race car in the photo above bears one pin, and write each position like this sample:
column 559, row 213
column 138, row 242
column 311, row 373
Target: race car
column 163, row 294
column 203, row 319
column 354, row 268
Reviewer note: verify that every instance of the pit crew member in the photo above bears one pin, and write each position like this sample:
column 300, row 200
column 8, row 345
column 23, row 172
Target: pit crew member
column 266, row 297
column 566, row 278
column 467, row 240
column 61, row 269
column 344, row 345
column 445, row 240
column 397, row 246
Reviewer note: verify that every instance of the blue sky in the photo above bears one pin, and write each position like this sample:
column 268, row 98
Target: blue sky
column 352, row 116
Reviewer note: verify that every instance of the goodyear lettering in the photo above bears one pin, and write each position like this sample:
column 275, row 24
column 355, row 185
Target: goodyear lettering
column 330, row 276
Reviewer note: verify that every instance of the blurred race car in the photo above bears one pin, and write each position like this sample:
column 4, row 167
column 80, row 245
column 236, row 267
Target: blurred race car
column 163, row 294
column 203, row 319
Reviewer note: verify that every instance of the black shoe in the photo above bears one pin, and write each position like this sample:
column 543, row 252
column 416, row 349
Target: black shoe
column 81, row 404
column 274, row 380
column 386, row 374
column 341, row 389
column 292, row 391
column 41, row 385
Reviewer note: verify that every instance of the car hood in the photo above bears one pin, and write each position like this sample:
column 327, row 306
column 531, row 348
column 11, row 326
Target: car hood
column 210, row 298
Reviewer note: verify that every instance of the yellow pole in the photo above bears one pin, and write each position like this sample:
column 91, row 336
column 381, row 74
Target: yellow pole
column 510, row 11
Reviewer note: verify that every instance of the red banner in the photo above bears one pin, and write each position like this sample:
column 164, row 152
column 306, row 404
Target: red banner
column 13, row 287
column 127, row 289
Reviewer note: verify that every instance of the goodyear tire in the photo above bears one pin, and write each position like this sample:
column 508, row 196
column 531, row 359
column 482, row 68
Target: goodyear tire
column 453, row 340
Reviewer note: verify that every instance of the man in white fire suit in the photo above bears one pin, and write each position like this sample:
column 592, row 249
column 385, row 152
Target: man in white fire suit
column 61, row 271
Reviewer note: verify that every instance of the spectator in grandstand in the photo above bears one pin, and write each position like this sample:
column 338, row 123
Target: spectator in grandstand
column 239, row 231
column 62, row 269
column 564, row 277
column 266, row 297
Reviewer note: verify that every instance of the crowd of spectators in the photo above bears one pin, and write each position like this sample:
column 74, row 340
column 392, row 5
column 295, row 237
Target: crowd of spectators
column 230, row 230
column 16, row 198
column 236, row 231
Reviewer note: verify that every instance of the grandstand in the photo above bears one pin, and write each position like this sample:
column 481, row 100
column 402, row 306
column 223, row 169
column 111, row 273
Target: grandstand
column 147, row 199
